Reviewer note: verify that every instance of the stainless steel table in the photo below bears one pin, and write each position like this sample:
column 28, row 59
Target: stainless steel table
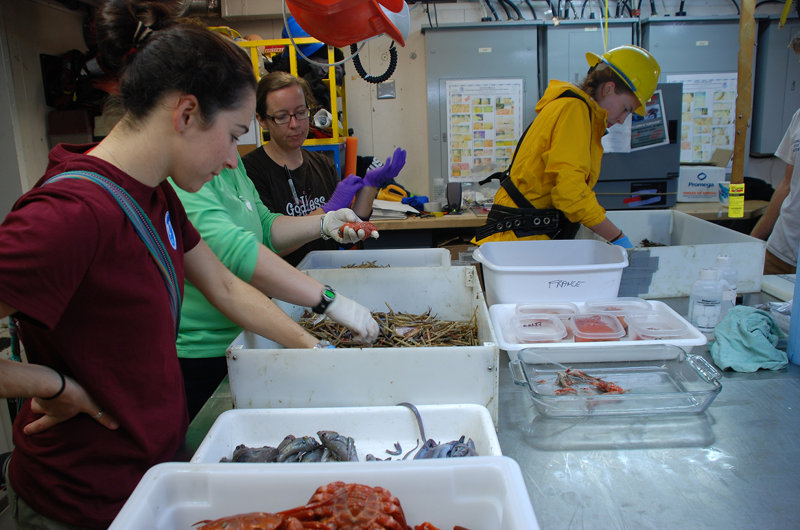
column 735, row 466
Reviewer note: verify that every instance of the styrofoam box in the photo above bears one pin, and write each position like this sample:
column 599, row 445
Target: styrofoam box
column 477, row 492
column 624, row 349
column 373, row 429
column 691, row 244
column 262, row 374
column 519, row 271
column 393, row 257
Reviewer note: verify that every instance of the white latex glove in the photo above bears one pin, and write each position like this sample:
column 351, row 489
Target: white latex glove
column 333, row 221
column 354, row 316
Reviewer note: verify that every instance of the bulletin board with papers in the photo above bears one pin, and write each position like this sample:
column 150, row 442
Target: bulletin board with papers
column 708, row 118
column 484, row 122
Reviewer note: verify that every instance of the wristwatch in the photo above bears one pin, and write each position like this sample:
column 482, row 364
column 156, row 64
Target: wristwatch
column 328, row 296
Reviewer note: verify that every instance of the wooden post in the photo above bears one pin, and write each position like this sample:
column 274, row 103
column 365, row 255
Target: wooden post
column 744, row 106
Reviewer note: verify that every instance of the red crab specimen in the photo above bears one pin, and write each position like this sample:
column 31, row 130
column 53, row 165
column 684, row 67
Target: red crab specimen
column 366, row 226
column 252, row 521
column 340, row 505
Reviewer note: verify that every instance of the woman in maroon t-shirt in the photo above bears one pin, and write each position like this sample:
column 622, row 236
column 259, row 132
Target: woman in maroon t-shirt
column 95, row 312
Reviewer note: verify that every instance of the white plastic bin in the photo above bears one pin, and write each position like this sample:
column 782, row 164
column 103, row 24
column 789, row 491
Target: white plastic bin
column 392, row 257
column 521, row 271
column 373, row 429
column 689, row 244
column 262, row 374
column 475, row 492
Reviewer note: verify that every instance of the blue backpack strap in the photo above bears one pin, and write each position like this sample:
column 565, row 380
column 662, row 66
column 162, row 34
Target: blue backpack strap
column 144, row 228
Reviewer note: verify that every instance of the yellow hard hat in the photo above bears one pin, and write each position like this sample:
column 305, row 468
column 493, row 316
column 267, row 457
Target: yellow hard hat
column 635, row 66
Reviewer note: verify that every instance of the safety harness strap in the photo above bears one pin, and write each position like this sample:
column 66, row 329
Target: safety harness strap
column 526, row 220
column 143, row 227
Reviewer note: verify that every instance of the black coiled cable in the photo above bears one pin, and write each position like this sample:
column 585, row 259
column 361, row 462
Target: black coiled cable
column 363, row 73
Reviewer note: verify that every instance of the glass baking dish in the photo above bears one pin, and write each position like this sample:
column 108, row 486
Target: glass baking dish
column 676, row 383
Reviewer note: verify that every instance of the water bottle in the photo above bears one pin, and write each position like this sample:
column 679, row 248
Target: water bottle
column 705, row 301
column 727, row 273
column 793, row 348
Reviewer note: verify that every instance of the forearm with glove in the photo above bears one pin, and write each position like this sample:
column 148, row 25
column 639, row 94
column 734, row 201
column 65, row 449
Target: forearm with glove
column 381, row 175
column 333, row 226
column 344, row 193
column 353, row 316
column 375, row 179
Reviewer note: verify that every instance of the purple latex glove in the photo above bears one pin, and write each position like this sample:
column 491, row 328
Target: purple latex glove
column 344, row 193
column 381, row 175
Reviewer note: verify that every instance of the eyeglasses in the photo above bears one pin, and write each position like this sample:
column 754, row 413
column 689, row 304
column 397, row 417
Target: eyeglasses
column 283, row 119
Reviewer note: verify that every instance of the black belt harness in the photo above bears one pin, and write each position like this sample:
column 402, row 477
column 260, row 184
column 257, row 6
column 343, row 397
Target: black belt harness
column 526, row 220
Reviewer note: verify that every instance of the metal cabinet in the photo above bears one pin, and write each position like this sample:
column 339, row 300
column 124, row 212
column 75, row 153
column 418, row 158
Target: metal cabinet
column 776, row 94
column 565, row 46
column 692, row 45
column 461, row 52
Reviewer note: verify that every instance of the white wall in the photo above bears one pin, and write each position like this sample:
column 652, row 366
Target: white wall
column 33, row 27
column 44, row 26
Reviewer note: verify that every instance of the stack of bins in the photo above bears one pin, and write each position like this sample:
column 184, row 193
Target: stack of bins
column 578, row 272
column 355, row 391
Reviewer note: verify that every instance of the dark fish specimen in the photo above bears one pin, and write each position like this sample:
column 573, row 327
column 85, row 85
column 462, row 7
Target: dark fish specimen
column 315, row 455
column 242, row 453
column 343, row 448
column 294, row 449
column 431, row 449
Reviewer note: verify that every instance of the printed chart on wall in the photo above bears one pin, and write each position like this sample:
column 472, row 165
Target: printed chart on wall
column 484, row 121
column 708, row 114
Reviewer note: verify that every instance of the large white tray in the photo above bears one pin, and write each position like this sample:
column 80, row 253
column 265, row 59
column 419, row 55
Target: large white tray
column 262, row 374
column 478, row 492
column 618, row 350
column 374, row 429
column 383, row 257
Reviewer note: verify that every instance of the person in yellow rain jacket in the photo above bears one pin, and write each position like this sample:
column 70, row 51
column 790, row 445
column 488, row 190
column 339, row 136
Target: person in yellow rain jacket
column 547, row 192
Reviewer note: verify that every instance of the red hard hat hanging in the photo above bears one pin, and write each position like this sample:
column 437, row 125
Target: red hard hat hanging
column 344, row 22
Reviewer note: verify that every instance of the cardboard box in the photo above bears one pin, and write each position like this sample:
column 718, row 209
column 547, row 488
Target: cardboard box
column 700, row 183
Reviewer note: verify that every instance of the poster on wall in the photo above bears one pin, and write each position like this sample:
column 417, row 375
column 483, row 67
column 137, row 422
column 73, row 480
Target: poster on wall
column 639, row 132
column 650, row 130
column 484, row 122
column 708, row 114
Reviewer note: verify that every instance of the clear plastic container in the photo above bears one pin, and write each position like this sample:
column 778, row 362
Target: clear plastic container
column 619, row 307
column 539, row 328
column 653, row 325
column 563, row 310
column 728, row 274
column 596, row 327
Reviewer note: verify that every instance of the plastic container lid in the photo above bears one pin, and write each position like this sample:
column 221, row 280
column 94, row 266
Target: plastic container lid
column 539, row 328
column 560, row 309
column 653, row 325
column 618, row 306
column 596, row 327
